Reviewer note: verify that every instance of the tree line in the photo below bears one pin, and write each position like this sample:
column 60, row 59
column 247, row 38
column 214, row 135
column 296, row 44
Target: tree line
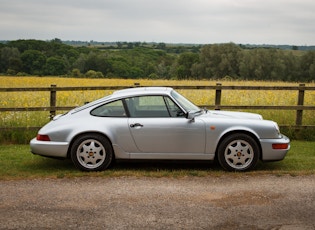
column 214, row 61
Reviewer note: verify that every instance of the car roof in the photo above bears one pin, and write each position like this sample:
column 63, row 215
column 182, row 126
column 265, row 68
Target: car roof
column 137, row 91
column 130, row 92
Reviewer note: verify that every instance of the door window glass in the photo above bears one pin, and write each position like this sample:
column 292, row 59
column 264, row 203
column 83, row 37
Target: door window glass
column 153, row 106
column 147, row 106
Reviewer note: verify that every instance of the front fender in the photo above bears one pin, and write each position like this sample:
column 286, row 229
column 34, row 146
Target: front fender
column 214, row 136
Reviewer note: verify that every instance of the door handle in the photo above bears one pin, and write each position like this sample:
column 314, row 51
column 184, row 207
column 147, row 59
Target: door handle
column 136, row 125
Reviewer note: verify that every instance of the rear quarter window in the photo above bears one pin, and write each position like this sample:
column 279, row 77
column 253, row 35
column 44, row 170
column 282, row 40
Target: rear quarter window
column 112, row 109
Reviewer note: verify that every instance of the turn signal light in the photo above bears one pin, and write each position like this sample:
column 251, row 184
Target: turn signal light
column 280, row 146
column 42, row 137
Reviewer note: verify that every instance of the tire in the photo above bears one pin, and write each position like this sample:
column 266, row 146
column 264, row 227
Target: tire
column 91, row 152
column 238, row 152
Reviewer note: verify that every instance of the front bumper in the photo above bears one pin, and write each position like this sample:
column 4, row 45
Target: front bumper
column 270, row 154
column 49, row 148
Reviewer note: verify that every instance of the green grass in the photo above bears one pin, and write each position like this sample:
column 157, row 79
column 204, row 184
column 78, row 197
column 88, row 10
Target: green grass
column 16, row 162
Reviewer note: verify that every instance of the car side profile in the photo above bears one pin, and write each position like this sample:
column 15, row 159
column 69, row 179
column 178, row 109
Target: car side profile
column 158, row 123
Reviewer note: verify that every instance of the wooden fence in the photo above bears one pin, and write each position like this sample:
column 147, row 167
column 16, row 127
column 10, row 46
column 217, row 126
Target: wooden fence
column 53, row 108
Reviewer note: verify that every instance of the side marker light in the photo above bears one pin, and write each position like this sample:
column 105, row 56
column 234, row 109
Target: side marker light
column 280, row 146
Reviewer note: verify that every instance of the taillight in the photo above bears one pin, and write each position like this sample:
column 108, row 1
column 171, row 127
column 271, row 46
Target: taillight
column 280, row 146
column 41, row 137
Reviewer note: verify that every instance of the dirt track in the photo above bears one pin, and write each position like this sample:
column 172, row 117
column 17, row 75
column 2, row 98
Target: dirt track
column 227, row 202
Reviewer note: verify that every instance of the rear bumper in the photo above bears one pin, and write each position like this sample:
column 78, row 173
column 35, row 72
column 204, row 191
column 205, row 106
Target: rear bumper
column 49, row 148
column 271, row 154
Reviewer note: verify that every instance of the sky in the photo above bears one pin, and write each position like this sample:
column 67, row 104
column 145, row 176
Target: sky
column 277, row 22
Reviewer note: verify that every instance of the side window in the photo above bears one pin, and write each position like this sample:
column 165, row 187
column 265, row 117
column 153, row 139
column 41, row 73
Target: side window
column 173, row 109
column 147, row 106
column 112, row 109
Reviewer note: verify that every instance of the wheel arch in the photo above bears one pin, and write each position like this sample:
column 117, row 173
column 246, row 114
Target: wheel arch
column 87, row 133
column 252, row 135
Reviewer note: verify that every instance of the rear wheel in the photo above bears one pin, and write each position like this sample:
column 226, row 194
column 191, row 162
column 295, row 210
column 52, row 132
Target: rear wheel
column 91, row 152
column 238, row 152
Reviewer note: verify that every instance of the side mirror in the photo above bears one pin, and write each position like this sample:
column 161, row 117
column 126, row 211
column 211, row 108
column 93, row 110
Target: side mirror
column 191, row 115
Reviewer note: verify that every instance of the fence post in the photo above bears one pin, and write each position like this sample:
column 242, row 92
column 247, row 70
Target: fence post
column 299, row 113
column 218, row 92
column 53, row 96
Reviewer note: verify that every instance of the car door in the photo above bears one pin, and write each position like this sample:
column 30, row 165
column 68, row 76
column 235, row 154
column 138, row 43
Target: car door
column 158, row 125
column 111, row 118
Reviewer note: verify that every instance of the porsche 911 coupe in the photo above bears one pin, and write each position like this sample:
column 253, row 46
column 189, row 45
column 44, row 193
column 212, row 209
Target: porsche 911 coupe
column 158, row 123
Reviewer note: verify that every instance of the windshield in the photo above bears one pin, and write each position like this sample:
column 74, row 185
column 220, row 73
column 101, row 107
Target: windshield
column 184, row 103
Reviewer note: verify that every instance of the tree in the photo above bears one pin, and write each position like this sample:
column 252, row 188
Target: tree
column 162, row 70
column 33, row 62
column 94, row 74
column 56, row 40
column 10, row 59
column 80, row 63
column 161, row 46
column 119, row 45
column 75, row 73
column 130, row 45
column 119, row 68
column 31, row 44
column 140, row 60
column 307, row 66
column 102, row 64
column 55, row 66
column 136, row 72
column 185, row 63
column 290, row 72
column 90, row 63
column 264, row 64
column 219, row 61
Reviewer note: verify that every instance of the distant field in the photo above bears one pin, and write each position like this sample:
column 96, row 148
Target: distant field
column 199, row 97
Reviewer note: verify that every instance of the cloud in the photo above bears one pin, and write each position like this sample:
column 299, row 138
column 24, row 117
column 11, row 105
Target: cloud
column 199, row 21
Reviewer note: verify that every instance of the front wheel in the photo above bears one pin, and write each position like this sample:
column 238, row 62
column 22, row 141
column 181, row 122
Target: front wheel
column 238, row 152
column 91, row 152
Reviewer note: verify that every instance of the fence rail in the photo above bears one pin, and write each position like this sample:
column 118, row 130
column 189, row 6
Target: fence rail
column 53, row 89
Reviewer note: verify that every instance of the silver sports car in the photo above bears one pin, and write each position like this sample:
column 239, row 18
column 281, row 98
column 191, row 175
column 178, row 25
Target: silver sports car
column 158, row 123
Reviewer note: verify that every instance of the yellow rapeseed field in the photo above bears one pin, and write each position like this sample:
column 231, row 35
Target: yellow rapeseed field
column 199, row 97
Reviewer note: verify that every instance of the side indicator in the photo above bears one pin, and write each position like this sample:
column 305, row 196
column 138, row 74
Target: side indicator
column 212, row 127
column 280, row 146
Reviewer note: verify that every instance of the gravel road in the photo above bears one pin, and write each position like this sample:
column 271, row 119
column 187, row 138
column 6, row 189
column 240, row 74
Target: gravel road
column 225, row 202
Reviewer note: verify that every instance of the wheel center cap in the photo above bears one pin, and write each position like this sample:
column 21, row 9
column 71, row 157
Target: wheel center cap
column 91, row 154
column 239, row 154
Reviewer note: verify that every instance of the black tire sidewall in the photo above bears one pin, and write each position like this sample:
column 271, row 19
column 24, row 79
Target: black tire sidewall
column 106, row 144
column 238, row 136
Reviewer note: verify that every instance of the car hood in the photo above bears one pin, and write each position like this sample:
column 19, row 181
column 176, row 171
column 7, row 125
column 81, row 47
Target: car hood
column 234, row 115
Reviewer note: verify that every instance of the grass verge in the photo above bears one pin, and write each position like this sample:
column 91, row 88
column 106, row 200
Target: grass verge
column 16, row 162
